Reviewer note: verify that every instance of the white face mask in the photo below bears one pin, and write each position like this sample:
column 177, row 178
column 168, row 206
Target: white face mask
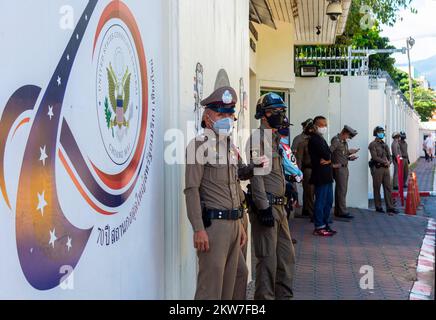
column 322, row 131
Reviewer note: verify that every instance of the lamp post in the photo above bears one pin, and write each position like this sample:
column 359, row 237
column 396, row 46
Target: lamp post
column 410, row 43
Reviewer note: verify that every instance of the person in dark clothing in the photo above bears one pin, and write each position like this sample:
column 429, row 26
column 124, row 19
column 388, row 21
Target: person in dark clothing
column 322, row 177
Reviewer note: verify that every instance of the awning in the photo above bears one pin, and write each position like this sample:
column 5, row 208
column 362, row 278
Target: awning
column 305, row 15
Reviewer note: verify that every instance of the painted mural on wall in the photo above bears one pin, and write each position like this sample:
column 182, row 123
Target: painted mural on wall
column 112, row 184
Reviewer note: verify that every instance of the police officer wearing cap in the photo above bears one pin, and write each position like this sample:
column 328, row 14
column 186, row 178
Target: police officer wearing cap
column 304, row 162
column 298, row 139
column 396, row 152
column 405, row 155
column 341, row 155
column 270, row 230
column 380, row 162
column 214, row 199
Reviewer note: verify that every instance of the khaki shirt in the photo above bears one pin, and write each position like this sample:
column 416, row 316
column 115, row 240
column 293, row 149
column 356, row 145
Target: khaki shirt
column 404, row 149
column 302, row 154
column 297, row 140
column 395, row 147
column 340, row 151
column 379, row 151
column 212, row 179
column 266, row 180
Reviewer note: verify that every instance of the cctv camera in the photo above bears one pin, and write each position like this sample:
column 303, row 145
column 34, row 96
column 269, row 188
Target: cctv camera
column 334, row 10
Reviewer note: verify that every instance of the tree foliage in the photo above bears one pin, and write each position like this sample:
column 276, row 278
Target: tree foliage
column 424, row 100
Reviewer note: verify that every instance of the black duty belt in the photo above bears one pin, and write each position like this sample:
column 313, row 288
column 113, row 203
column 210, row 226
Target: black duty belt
column 273, row 200
column 216, row 214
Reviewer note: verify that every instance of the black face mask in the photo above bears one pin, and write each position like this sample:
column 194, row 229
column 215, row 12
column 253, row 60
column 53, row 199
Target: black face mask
column 276, row 120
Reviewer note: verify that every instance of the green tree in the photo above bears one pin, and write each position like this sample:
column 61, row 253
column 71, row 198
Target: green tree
column 359, row 34
column 425, row 102
column 386, row 11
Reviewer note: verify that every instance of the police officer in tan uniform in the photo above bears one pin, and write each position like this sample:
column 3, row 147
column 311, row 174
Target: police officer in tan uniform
column 270, row 231
column 405, row 155
column 396, row 151
column 305, row 164
column 341, row 155
column 379, row 165
column 213, row 200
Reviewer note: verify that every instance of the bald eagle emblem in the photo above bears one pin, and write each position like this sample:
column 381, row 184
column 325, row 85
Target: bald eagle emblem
column 119, row 98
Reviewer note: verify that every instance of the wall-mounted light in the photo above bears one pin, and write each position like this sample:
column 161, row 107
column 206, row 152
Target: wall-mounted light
column 334, row 9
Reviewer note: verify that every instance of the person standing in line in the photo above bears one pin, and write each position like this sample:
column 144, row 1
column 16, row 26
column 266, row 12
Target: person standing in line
column 396, row 152
column 341, row 155
column 322, row 177
column 405, row 155
column 305, row 164
column 270, row 229
column 380, row 162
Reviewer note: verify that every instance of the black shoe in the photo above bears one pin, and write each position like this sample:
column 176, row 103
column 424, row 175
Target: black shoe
column 330, row 230
column 393, row 210
column 379, row 210
column 345, row 216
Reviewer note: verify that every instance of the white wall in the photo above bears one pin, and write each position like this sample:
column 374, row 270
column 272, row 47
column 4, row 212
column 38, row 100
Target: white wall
column 214, row 33
column 130, row 268
column 272, row 65
column 275, row 56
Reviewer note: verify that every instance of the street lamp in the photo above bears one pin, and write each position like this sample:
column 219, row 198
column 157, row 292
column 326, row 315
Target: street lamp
column 410, row 43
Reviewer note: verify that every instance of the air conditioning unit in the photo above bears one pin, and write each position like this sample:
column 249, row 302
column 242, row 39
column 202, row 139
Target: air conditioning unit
column 309, row 71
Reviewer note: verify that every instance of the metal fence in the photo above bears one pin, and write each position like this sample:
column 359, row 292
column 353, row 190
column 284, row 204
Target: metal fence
column 337, row 60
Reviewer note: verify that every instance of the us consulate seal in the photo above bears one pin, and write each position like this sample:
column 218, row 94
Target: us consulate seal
column 118, row 92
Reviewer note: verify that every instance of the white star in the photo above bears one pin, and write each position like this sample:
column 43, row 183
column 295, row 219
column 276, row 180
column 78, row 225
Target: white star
column 77, row 36
column 31, row 250
column 50, row 112
column 68, row 57
column 53, row 237
column 41, row 203
column 86, row 17
column 69, row 245
column 59, row 81
column 43, row 155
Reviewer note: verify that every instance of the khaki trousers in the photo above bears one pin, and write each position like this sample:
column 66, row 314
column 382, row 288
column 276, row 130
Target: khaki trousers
column 341, row 176
column 275, row 257
column 382, row 176
column 217, row 268
column 240, row 292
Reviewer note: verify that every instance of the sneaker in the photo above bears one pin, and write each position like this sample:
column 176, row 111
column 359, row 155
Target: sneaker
column 379, row 210
column 328, row 229
column 322, row 233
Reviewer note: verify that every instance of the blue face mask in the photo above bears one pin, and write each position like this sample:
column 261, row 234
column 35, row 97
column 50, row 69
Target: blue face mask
column 223, row 127
column 380, row 135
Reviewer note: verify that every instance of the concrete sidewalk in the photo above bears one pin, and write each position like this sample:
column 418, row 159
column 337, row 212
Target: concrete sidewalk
column 425, row 174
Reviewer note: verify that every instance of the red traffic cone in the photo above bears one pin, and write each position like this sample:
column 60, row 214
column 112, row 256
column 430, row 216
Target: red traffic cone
column 411, row 198
column 418, row 198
